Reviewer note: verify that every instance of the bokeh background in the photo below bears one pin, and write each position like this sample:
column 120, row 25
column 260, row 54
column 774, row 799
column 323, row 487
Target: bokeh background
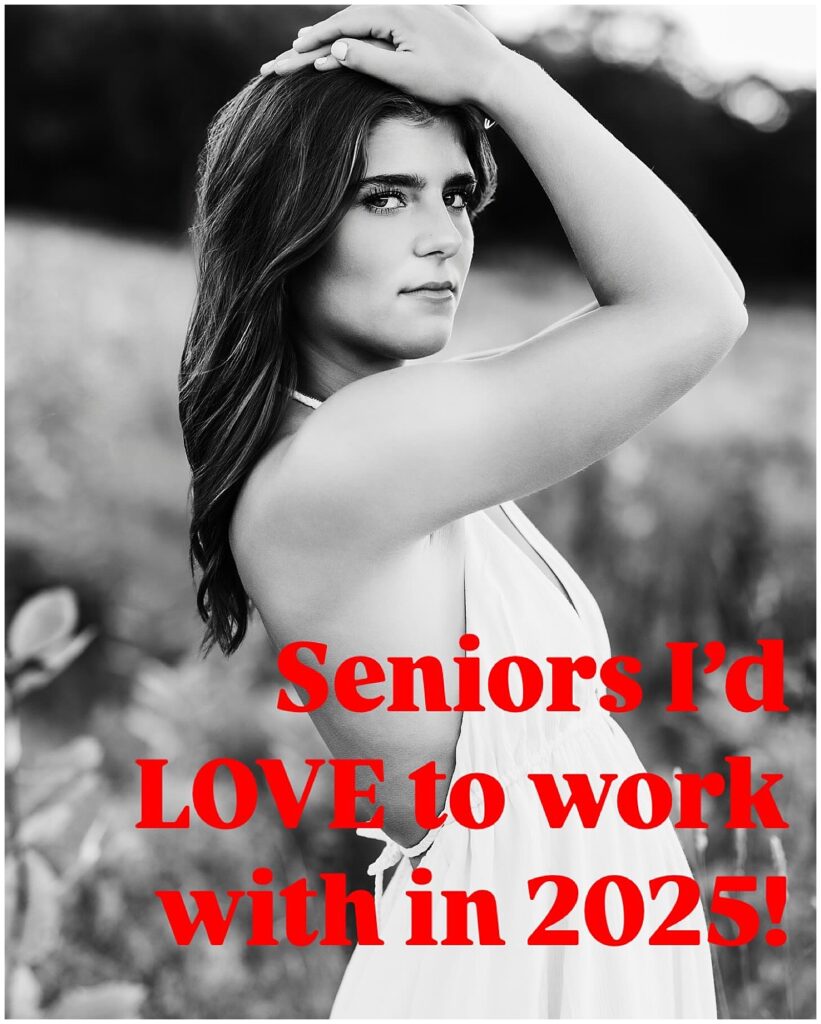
column 699, row 528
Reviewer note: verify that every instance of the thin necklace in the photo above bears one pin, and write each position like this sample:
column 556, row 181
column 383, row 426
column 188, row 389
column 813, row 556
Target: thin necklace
column 312, row 403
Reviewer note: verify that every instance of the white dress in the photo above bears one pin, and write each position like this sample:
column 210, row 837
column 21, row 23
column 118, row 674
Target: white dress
column 515, row 609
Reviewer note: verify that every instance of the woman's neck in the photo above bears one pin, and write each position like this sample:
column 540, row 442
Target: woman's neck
column 320, row 375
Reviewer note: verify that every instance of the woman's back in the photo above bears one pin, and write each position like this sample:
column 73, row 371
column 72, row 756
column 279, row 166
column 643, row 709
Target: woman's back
column 320, row 587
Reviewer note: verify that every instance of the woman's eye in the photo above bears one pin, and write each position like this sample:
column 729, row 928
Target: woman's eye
column 384, row 202
column 460, row 200
column 387, row 202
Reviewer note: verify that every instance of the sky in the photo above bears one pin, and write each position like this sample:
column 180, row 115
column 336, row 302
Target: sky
column 726, row 41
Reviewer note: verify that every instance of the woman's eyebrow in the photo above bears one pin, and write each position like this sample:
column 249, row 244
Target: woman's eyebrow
column 462, row 178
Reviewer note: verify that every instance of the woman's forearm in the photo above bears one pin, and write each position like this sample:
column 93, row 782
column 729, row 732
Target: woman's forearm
column 634, row 239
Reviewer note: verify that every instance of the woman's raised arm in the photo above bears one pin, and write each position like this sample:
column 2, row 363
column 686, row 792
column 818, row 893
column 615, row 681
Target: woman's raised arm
column 398, row 454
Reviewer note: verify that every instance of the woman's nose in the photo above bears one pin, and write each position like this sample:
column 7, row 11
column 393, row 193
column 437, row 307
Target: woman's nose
column 438, row 234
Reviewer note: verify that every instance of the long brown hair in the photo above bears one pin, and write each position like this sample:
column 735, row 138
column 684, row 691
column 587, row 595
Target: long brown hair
column 278, row 172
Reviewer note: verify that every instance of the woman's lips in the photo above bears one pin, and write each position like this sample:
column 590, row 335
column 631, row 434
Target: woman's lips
column 438, row 291
column 435, row 294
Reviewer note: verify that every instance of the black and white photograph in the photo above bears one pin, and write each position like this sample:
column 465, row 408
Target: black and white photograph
column 410, row 511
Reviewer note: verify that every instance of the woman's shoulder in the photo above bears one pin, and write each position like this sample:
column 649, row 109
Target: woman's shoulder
column 261, row 501
column 276, row 549
column 285, row 523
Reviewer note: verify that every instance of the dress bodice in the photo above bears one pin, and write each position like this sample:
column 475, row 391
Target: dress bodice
column 515, row 609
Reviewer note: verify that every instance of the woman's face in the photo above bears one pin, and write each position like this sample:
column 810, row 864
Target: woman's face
column 362, row 298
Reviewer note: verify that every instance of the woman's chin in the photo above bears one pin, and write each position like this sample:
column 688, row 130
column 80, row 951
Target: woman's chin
column 427, row 343
column 402, row 345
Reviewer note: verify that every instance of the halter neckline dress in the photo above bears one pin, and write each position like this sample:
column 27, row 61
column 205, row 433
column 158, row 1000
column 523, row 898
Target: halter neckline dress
column 515, row 609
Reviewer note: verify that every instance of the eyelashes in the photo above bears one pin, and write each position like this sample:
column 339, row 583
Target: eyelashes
column 374, row 200
column 387, row 201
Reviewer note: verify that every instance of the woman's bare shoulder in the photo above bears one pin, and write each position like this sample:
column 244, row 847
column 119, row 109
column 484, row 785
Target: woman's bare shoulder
column 260, row 500
column 279, row 557
column 285, row 523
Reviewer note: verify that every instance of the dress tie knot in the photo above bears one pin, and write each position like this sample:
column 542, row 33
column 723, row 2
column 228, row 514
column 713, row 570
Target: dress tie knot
column 391, row 854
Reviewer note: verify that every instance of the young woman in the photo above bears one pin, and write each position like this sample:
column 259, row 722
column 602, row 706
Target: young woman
column 364, row 501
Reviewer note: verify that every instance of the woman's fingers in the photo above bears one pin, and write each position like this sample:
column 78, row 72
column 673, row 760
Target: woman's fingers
column 290, row 61
column 370, row 59
column 373, row 57
column 360, row 22
column 328, row 63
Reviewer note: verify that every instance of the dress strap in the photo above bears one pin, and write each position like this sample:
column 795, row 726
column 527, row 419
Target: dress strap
column 312, row 403
column 391, row 854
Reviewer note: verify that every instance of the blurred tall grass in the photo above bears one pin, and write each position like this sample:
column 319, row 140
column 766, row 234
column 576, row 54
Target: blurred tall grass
column 699, row 528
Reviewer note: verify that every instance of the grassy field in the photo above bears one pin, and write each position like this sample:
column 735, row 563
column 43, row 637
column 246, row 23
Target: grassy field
column 701, row 527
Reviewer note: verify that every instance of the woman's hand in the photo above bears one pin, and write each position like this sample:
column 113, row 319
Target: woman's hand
column 441, row 54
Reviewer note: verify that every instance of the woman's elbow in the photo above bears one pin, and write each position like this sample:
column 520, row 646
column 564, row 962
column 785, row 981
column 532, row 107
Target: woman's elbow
column 715, row 323
column 729, row 323
column 709, row 334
